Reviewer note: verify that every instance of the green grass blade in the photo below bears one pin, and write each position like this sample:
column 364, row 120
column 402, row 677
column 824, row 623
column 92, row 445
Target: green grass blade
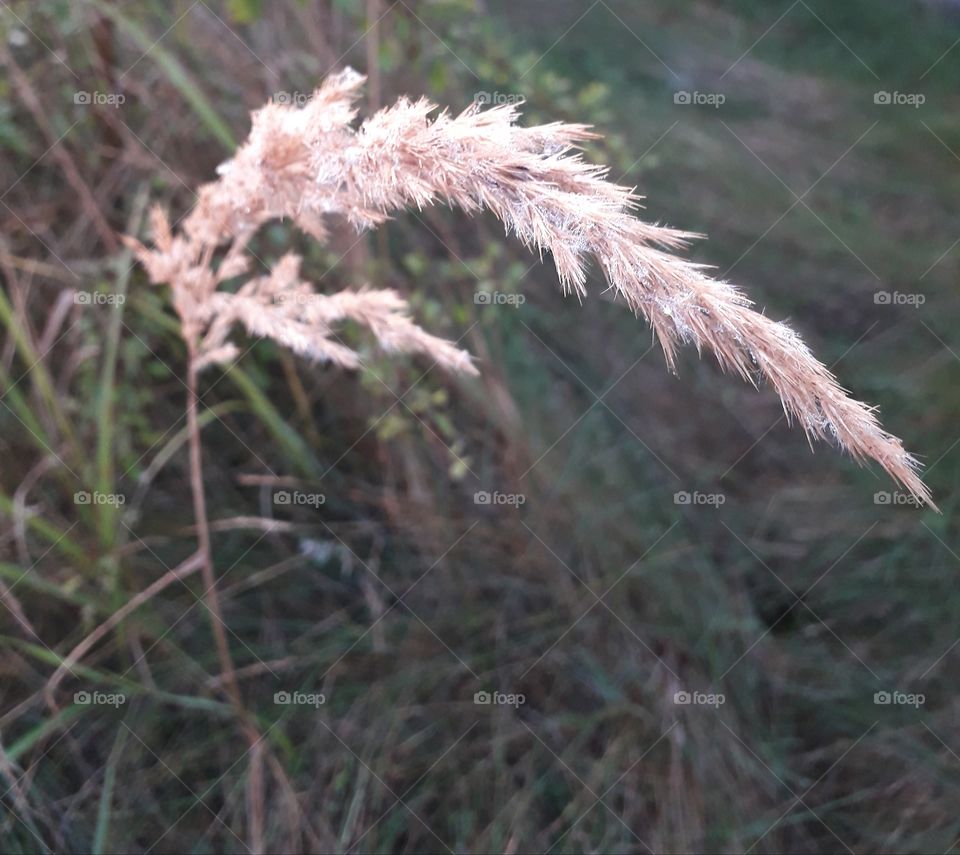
column 296, row 448
column 177, row 74
column 102, row 828
column 49, row 532
column 108, row 512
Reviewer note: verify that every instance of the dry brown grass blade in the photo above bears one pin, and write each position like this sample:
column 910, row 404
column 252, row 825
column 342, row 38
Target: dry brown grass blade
column 178, row 573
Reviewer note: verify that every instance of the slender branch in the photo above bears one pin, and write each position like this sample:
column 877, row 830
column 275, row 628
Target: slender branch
column 203, row 534
column 255, row 784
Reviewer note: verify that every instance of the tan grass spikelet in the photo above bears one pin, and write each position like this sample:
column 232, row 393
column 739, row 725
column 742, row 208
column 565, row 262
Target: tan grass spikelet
column 279, row 306
column 310, row 163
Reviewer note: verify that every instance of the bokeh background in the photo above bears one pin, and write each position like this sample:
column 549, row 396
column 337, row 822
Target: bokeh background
column 793, row 601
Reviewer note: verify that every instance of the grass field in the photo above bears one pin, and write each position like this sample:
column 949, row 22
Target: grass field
column 790, row 600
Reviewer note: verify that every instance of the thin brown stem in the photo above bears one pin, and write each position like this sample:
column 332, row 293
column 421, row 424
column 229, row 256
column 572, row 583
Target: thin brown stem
column 203, row 535
column 228, row 676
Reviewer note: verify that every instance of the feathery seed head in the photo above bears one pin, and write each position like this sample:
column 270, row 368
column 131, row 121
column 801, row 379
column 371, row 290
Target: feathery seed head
column 311, row 163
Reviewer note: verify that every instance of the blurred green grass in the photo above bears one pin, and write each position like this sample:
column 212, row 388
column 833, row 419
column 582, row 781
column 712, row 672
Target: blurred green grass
column 798, row 598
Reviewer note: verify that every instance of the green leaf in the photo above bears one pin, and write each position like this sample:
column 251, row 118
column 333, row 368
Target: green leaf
column 244, row 11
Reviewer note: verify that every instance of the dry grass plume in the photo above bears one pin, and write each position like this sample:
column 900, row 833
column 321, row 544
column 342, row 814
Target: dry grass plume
column 312, row 163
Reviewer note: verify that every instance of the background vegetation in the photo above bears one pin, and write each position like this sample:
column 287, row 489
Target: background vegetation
column 599, row 598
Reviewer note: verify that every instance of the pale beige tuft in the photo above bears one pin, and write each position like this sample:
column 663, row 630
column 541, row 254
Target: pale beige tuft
column 311, row 162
